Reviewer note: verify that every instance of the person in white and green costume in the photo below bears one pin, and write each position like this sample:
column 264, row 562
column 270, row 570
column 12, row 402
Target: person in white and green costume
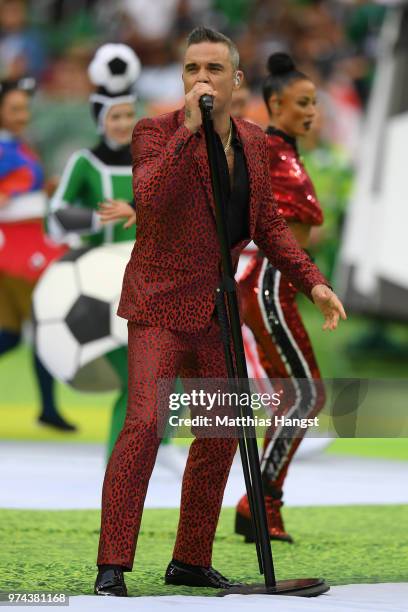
column 96, row 185
column 103, row 174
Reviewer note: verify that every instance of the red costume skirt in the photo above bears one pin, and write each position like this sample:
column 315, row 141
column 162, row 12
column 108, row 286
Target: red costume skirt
column 25, row 251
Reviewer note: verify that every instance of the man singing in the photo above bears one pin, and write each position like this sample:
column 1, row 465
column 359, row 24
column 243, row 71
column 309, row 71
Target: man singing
column 168, row 298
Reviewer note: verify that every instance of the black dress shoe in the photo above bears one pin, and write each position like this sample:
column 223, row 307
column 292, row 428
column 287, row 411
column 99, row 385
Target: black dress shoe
column 110, row 582
column 196, row 576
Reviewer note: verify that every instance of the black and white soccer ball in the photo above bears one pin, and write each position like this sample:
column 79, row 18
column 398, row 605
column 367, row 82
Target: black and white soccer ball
column 74, row 313
column 115, row 67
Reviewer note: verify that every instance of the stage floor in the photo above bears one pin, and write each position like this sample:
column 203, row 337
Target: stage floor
column 353, row 598
column 48, row 475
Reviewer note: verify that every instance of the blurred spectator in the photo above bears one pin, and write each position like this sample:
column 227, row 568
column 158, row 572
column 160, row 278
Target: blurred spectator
column 61, row 119
column 62, row 10
column 235, row 12
column 22, row 48
column 362, row 24
column 331, row 172
column 67, row 77
column 151, row 20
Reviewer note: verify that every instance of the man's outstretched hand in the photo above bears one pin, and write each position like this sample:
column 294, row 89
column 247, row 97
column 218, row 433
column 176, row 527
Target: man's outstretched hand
column 329, row 305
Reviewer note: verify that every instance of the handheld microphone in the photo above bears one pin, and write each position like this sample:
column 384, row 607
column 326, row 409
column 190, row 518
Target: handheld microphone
column 206, row 103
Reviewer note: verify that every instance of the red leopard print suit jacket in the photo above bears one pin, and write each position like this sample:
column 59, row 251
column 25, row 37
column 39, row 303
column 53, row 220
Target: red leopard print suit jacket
column 174, row 270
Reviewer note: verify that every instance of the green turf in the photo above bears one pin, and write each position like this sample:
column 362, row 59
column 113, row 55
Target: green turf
column 380, row 448
column 55, row 550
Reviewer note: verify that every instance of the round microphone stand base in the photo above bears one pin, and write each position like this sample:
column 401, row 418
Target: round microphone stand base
column 298, row 587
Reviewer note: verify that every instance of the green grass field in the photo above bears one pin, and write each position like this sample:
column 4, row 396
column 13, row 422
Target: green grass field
column 54, row 550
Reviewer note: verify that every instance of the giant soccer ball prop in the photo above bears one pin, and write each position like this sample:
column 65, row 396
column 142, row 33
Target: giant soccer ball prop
column 74, row 312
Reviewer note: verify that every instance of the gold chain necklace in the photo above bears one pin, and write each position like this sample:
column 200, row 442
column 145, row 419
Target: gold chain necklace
column 228, row 144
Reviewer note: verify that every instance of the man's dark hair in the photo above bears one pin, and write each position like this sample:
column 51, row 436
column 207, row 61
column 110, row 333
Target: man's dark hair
column 203, row 34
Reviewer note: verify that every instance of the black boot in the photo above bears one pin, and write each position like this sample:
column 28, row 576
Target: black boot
column 49, row 414
column 110, row 581
column 196, row 576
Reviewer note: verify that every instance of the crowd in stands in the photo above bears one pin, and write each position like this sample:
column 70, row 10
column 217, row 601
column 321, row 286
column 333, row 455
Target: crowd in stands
column 335, row 42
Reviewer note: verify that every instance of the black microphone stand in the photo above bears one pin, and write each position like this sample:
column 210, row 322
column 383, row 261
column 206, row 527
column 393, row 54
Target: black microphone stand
column 228, row 316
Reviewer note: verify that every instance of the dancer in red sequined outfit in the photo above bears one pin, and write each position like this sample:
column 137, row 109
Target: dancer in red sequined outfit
column 268, row 297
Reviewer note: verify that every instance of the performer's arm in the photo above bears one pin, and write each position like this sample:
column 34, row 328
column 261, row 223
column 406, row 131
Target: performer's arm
column 9, row 161
column 16, row 176
column 70, row 188
column 275, row 239
column 160, row 164
column 66, row 215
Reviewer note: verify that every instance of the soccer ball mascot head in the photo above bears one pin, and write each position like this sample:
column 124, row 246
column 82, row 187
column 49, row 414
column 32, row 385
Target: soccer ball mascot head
column 114, row 71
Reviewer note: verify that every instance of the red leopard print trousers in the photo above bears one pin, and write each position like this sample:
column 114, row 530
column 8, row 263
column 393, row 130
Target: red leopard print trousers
column 270, row 311
column 160, row 354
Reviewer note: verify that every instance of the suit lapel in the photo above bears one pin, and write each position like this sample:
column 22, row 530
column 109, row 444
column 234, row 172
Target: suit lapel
column 203, row 169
